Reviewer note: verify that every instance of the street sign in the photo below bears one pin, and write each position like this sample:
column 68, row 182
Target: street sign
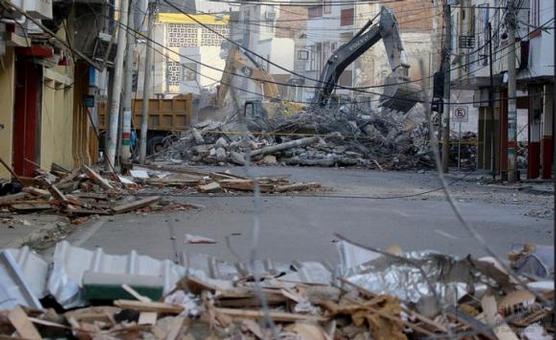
column 460, row 114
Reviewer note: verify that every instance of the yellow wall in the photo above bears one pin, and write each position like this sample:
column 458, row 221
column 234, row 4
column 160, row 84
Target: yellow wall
column 7, row 74
column 57, row 114
column 179, row 18
column 57, row 117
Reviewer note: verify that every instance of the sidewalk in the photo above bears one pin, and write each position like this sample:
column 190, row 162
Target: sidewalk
column 32, row 229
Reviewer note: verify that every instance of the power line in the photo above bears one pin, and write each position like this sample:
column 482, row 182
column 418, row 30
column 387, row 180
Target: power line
column 275, row 98
column 286, row 84
column 318, row 81
column 260, row 56
column 277, row 83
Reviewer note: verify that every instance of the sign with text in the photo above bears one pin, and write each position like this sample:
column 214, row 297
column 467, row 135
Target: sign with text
column 459, row 114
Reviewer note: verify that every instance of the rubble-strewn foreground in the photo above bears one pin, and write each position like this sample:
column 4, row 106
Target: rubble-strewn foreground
column 371, row 295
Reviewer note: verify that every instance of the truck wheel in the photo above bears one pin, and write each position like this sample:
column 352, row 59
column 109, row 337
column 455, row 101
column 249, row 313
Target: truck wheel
column 155, row 144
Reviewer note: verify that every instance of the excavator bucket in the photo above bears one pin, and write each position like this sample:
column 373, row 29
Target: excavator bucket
column 400, row 94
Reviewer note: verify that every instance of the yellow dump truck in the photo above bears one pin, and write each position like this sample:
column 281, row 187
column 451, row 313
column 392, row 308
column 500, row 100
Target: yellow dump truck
column 166, row 117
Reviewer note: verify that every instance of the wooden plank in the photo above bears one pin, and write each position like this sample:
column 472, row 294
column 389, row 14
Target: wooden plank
column 92, row 195
column 173, row 181
column 276, row 316
column 208, row 188
column 37, row 192
column 85, row 212
column 500, row 327
column 297, row 187
column 135, row 294
column 244, row 185
column 147, row 318
column 22, row 324
column 98, row 178
column 126, row 207
column 69, row 177
column 224, row 175
column 26, row 207
column 181, row 169
column 56, row 193
column 158, row 307
column 57, row 167
column 9, row 199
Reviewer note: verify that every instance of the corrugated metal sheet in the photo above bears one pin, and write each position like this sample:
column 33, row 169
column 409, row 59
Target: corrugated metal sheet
column 34, row 269
column 23, row 274
column 70, row 263
column 217, row 269
column 14, row 289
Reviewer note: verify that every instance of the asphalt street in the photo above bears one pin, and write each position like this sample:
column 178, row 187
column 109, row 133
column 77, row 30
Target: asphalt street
column 302, row 227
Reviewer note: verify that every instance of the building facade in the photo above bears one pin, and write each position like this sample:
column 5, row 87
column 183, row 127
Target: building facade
column 43, row 85
column 187, row 57
column 483, row 61
column 331, row 25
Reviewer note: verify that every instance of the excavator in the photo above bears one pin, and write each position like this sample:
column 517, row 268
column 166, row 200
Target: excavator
column 238, row 61
column 399, row 93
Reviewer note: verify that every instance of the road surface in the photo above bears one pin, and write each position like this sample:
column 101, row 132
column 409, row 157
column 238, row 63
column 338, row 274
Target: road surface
column 303, row 227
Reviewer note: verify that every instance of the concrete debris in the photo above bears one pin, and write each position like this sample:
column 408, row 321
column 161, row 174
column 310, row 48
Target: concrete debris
column 384, row 140
column 198, row 239
column 200, row 305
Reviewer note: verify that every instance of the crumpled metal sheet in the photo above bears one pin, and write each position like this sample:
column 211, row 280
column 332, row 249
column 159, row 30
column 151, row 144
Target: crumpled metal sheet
column 218, row 269
column 539, row 264
column 352, row 257
column 14, row 287
column 70, row 263
column 387, row 275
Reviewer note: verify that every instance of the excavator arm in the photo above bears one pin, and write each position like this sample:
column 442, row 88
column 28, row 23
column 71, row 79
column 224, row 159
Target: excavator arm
column 387, row 31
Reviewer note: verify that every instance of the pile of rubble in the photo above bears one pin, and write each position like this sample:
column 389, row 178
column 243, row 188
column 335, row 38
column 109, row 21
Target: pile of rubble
column 464, row 147
column 384, row 140
column 378, row 295
column 84, row 192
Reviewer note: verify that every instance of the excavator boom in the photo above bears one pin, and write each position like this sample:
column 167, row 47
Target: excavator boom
column 398, row 94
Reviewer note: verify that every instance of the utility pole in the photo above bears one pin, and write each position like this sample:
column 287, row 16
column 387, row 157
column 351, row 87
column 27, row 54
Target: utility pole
column 128, row 93
column 147, row 85
column 491, row 103
column 117, row 87
column 512, row 110
column 446, row 67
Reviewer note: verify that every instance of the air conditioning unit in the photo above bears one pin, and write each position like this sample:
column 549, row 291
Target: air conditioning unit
column 270, row 16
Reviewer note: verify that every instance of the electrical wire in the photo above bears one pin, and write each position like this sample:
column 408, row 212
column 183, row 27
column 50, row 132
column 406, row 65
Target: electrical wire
column 357, row 89
column 266, row 59
column 283, row 84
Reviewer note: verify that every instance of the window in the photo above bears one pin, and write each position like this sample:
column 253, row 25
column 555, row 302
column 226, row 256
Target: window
column 311, row 65
column 326, row 7
column 346, row 17
column 190, row 71
column 302, row 55
column 315, row 11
